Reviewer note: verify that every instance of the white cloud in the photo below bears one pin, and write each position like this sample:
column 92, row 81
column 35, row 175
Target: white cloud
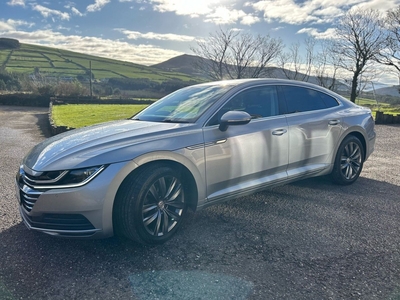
column 184, row 7
column 383, row 6
column 63, row 28
column 285, row 11
column 76, row 12
column 134, row 35
column 16, row 2
column 97, row 5
column 125, row 0
column 214, row 11
column 47, row 12
column 328, row 11
column 141, row 54
column 191, row 8
column 330, row 33
column 292, row 12
column 10, row 24
column 223, row 15
column 250, row 20
column 313, row 11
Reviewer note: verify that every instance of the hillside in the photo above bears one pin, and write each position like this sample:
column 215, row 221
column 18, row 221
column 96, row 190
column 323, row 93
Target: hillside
column 54, row 62
column 183, row 64
column 390, row 91
column 186, row 64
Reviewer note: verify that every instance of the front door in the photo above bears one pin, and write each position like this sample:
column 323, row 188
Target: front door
column 245, row 158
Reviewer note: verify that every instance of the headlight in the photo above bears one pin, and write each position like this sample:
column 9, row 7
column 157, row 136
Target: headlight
column 62, row 179
column 79, row 175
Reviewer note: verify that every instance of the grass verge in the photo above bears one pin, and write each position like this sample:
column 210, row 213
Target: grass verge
column 386, row 108
column 80, row 115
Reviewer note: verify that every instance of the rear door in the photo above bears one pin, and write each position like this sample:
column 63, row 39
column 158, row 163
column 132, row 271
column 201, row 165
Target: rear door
column 314, row 127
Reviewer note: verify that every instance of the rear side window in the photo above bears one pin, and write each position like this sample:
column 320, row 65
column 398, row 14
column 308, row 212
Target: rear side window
column 329, row 101
column 300, row 99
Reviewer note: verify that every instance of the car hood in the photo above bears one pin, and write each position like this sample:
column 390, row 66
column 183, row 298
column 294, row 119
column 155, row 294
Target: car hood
column 103, row 144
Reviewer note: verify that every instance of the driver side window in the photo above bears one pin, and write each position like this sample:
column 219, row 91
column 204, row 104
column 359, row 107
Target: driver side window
column 258, row 102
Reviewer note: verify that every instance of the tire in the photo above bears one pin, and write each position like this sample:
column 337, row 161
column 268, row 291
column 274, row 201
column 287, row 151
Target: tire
column 150, row 206
column 349, row 161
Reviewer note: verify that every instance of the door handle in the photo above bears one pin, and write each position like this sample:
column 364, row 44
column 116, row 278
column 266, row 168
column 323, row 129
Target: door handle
column 334, row 122
column 279, row 132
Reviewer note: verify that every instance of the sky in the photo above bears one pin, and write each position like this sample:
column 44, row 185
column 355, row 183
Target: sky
column 151, row 31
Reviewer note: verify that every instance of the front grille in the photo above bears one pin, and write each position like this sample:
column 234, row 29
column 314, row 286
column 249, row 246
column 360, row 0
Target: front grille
column 60, row 222
column 28, row 198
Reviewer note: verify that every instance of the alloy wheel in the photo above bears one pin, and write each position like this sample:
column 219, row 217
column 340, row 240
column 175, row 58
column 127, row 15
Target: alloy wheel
column 163, row 206
column 351, row 161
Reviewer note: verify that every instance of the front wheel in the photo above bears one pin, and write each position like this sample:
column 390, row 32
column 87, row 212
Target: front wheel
column 349, row 161
column 151, row 206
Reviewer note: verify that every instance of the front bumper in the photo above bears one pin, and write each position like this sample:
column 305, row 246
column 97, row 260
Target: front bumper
column 82, row 212
column 68, row 225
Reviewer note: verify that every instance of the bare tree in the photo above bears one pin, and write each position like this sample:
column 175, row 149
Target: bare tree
column 213, row 53
column 367, row 78
column 296, row 66
column 234, row 55
column 326, row 66
column 360, row 39
column 390, row 55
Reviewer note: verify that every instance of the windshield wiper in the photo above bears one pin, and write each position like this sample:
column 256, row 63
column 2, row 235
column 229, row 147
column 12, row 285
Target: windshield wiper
column 175, row 121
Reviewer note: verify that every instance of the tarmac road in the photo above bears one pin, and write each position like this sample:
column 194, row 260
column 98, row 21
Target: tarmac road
column 308, row 240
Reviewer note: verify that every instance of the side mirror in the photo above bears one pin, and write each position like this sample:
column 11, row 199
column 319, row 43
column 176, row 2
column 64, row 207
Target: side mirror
column 234, row 118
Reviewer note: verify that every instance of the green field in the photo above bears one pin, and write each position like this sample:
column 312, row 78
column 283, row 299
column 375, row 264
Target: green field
column 391, row 110
column 80, row 115
column 63, row 63
column 383, row 107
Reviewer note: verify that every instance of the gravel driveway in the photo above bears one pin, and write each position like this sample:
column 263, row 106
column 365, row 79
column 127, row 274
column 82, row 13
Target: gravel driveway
column 308, row 240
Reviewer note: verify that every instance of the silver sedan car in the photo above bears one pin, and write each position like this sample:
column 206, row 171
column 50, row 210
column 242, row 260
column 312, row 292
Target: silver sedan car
column 196, row 147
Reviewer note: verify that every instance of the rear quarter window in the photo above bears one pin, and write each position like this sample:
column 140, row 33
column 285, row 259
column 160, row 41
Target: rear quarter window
column 329, row 101
column 300, row 99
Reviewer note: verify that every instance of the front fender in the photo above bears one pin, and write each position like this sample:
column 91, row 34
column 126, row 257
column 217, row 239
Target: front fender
column 193, row 160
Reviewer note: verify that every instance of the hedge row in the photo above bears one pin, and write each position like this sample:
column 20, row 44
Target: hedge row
column 382, row 118
column 44, row 101
column 25, row 100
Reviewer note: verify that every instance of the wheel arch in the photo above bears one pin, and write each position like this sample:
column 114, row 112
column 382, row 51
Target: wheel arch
column 190, row 173
column 358, row 135
column 347, row 171
column 187, row 177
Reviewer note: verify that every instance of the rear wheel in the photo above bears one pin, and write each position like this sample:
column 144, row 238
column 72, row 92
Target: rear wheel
column 349, row 161
column 151, row 206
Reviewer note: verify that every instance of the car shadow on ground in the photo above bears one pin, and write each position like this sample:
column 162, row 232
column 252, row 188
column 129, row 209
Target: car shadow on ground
column 254, row 244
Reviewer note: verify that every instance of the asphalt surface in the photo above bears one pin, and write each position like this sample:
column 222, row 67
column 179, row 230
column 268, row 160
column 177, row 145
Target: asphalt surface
column 307, row 240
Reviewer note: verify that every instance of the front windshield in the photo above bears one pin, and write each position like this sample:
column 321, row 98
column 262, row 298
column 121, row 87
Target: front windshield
column 183, row 106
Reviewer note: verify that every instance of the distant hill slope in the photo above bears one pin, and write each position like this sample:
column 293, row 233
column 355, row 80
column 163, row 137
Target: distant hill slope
column 183, row 64
column 62, row 63
column 6, row 43
column 390, row 91
column 186, row 64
